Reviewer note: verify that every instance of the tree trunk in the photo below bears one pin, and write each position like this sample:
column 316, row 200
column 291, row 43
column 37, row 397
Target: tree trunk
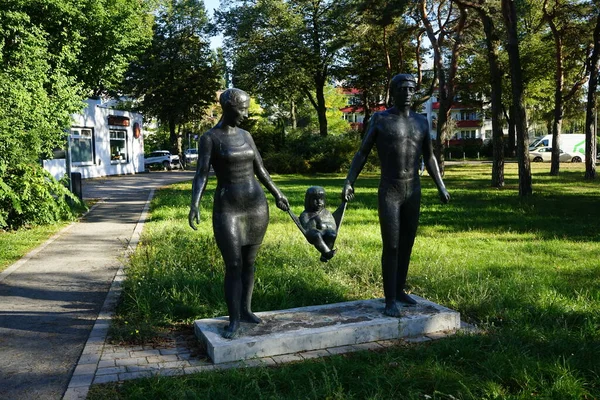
column 491, row 40
column 510, row 18
column 293, row 114
column 592, row 134
column 558, row 102
column 321, row 107
column 509, row 115
column 173, row 136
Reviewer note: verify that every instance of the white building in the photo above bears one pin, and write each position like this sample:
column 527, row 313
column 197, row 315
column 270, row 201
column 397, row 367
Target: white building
column 469, row 122
column 102, row 141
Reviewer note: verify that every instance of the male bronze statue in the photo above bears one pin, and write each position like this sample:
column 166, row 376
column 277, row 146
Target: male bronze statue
column 240, row 211
column 401, row 136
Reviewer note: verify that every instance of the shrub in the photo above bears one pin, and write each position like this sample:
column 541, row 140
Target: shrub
column 29, row 195
column 305, row 152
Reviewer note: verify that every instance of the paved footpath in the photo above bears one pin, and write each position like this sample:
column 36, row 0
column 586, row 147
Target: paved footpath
column 50, row 300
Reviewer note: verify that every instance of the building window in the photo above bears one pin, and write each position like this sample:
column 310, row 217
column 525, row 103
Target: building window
column 468, row 115
column 82, row 146
column 488, row 133
column 468, row 135
column 118, row 146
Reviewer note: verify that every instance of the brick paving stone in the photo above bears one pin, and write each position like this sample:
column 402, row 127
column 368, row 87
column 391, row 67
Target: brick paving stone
column 76, row 393
column 84, row 369
column 144, row 353
column 195, row 370
column 308, row 355
column 81, row 380
column 115, row 355
column 170, row 372
column 229, row 365
column 199, row 362
column 106, row 363
column 174, row 364
column 184, row 356
column 137, row 368
column 110, row 370
column 169, row 351
column 388, row 343
column 286, row 358
column 135, row 375
column 131, row 361
column 158, row 359
column 106, row 378
column 95, row 340
column 340, row 349
column 89, row 359
column 260, row 362
column 367, row 346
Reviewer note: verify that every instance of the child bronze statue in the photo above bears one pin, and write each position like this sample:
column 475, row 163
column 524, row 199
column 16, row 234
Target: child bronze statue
column 318, row 225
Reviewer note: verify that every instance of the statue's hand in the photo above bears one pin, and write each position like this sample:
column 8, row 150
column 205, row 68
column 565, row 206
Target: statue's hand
column 444, row 196
column 347, row 192
column 283, row 203
column 194, row 217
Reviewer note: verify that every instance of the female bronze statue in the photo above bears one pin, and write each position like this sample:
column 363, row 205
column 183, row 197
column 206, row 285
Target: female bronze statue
column 240, row 210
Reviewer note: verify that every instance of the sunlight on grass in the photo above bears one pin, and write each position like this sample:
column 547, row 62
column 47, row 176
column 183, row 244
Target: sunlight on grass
column 524, row 270
column 16, row 244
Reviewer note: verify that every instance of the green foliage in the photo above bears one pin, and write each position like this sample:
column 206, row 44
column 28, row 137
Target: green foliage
column 52, row 54
column 311, row 153
column 298, row 42
column 29, row 195
column 178, row 77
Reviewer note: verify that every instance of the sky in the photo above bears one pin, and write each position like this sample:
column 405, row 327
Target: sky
column 210, row 6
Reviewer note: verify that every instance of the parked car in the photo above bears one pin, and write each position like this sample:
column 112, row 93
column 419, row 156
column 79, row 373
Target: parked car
column 162, row 158
column 545, row 154
column 190, row 155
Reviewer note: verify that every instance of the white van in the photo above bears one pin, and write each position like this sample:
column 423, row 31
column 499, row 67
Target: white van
column 571, row 143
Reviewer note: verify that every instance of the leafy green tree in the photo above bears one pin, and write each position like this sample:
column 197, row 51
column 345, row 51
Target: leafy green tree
column 487, row 12
column 179, row 76
column 287, row 46
column 46, row 61
column 37, row 101
column 444, row 23
column 382, row 45
column 568, row 23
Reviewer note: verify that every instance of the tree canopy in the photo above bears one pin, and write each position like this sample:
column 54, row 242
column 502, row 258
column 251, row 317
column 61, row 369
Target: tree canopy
column 178, row 77
column 46, row 70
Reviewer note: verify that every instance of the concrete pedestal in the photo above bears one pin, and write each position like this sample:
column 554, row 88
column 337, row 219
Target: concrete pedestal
column 320, row 327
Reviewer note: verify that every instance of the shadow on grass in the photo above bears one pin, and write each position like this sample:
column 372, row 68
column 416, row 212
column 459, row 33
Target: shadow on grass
column 560, row 209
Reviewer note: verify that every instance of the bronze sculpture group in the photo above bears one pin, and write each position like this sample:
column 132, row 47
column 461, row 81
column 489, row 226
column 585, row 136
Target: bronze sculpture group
column 240, row 212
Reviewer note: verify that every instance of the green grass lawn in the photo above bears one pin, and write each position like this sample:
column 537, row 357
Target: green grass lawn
column 526, row 271
column 15, row 244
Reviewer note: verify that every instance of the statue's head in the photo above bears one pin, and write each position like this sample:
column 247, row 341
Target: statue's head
column 314, row 199
column 402, row 88
column 235, row 104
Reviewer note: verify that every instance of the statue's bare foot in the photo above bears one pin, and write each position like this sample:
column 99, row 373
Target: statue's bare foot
column 404, row 298
column 391, row 310
column 328, row 255
column 250, row 317
column 232, row 330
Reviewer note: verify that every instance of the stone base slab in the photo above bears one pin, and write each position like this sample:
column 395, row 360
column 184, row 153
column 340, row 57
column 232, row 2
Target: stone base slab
column 320, row 327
